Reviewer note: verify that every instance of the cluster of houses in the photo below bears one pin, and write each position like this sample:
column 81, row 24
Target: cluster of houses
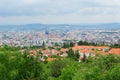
column 49, row 53
column 86, row 51
column 83, row 50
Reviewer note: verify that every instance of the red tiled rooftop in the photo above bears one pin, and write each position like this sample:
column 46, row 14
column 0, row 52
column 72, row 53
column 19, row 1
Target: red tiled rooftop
column 34, row 52
column 50, row 59
column 76, row 47
column 101, row 47
column 103, row 53
column 55, row 51
column 115, row 51
column 64, row 49
column 45, row 51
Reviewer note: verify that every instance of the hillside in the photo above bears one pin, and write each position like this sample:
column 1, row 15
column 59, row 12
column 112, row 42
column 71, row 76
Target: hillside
column 49, row 27
column 27, row 64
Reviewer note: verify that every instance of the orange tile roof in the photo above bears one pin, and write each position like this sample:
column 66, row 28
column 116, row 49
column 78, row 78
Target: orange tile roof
column 101, row 47
column 103, row 53
column 55, row 51
column 93, row 51
column 115, row 51
column 82, row 47
column 50, row 59
column 76, row 47
column 34, row 52
column 46, row 52
column 81, row 58
column 64, row 49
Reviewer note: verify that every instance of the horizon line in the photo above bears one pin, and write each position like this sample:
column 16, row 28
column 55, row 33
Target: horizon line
column 62, row 23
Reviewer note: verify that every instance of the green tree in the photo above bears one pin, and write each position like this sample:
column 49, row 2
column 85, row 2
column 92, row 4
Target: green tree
column 30, row 69
column 71, row 44
column 73, row 55
column 43, row 44
column 69, row 71
column 56, row 68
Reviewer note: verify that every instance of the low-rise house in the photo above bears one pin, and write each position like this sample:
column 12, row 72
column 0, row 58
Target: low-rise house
column 102, row 48
column 103, row 53
column 100, row 52
column 64, row 55
column 84, row 47
column 64, row 50
column 46, row 53
column 86, row 51
column 34, row 52
column 82, row 58
column 115, row 51
column 85, row 54
column 55, row 52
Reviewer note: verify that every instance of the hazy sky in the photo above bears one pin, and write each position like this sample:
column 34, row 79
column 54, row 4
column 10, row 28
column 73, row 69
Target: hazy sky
column 59, row 11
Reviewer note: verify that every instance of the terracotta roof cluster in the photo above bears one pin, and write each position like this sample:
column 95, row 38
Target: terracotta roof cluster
column 91, row 49
column 54, row 51
column 84, row 51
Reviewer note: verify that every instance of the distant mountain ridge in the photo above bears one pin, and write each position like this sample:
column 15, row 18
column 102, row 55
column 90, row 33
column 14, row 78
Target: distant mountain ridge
column 105, row 26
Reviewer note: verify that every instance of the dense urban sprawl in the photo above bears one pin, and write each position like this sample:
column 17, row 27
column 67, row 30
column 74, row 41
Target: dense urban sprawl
column 30, row 38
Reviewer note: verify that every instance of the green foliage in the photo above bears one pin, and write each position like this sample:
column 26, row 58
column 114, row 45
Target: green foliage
column 86, row 43
column 114, row 74
column 56, row 44
column 30, row 69
column 73, row 55
column 115, row 46
column 68, row 44
column 69, row 71
column 43, row 44
column 15, row 66
column 98, row 68
column 56, row 67
column 71, row 44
